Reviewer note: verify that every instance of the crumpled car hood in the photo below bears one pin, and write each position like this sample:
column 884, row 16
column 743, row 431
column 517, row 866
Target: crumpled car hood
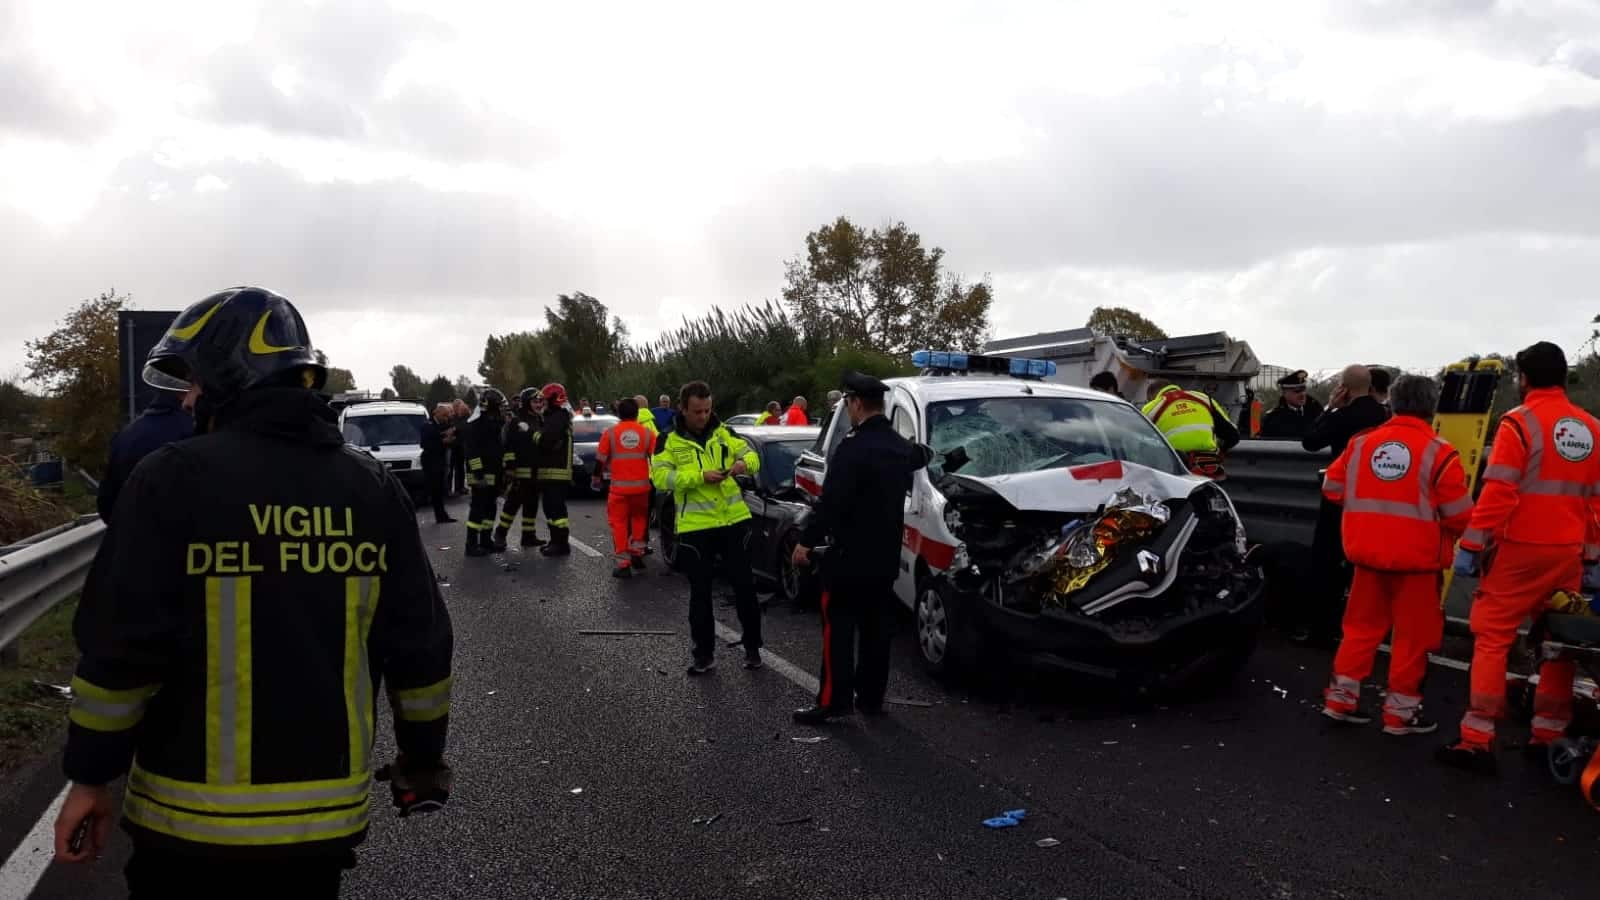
column 1069, row 490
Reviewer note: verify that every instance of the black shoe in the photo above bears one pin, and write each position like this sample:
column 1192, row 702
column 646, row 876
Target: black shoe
column 752, row 659
column 701, row 667
column 1359, row 716
column 476, row 549
column 1467, row 758
column 638, row 563
column 499, row 544
column 622, row 573
column 562, row 549
column 818, row 715
column 445, row 521
column 532, row 540
column 1418, row 724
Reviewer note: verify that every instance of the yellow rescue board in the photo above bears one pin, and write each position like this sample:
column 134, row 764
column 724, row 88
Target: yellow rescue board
column 1466, row 404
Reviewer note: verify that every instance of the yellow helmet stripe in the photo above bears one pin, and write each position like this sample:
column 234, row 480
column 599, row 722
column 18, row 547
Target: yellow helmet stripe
column 258, row 337
column 189, row 331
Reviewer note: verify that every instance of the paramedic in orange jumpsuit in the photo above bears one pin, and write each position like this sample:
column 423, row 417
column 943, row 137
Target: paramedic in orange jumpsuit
column 1533, row 533
column 625, row 450
column 1405, row 503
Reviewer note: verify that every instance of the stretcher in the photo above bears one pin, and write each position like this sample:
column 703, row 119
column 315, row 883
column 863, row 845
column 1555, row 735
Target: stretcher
column 1574, row 759
column 1466, row 405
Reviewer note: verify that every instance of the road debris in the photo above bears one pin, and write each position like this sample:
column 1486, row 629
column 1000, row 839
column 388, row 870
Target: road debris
column 62, row 690
column 800, row 821
column 707, row 821
column 907, row 701
column 444, row 548
column 814, row 739
column 1047, row 842
column 491, row 693
column 1109, row 743
column 625, row 633
column 578, row 790
column 1008, row 819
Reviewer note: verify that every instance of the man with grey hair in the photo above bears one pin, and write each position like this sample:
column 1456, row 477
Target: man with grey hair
column 1351, row 410
column 1405, row 503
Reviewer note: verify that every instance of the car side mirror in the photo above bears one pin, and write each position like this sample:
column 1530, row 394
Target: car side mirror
column 745, row 482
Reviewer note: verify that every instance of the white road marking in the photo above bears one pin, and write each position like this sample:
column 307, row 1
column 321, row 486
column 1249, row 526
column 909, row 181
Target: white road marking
column 27, row 864
column 587, row 550
column 1449, row 662
column 776, row 663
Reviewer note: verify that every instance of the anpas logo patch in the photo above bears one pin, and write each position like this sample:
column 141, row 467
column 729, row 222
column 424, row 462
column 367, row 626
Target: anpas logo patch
column 1573, row 440
column 1391, row 461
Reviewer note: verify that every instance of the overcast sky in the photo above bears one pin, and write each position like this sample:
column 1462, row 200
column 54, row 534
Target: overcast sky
column 1333, row 181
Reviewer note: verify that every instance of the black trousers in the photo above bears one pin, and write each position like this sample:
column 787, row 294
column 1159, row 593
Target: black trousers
column 162, row 874
column 458, row 468
column 699, row 554
column 435, row 476
column 480, row 515
column 554, row 496
column 523, row 496
column 856, row 608
column 1330, row 574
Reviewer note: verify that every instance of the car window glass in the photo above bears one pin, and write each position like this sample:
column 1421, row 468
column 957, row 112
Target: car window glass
column 777, row 462
column 386, row 430
column 903, row 424
column 1008, row 435
column 588, row 431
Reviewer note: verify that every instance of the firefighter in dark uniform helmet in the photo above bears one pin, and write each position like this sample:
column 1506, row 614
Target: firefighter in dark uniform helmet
column 522, row 492
column 553, row 467
column 259, row 582
column 485, row 469
column 861, row 515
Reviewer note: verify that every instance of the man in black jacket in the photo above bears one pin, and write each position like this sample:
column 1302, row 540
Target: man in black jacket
column 553, row 468
column 232, row 637
column 166, row 420
column 1295, row 413
column 1351, row 410
column 862, row 510
column 437, row 438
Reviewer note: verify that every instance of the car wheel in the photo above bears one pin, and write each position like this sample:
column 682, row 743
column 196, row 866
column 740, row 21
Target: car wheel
column 790, row 581
column 667, row 526
column 937, row 639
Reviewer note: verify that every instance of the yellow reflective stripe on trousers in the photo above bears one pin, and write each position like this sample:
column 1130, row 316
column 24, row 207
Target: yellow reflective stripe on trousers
column 423, row 704
column 200, row 828
column 101, row 709
column 287, row 797
column 228, row 689
column 360, row 603
column 554, row 474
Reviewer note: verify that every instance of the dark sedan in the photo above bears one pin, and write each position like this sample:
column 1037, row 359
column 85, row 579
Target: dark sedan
column 777, row 507
column 586, row 431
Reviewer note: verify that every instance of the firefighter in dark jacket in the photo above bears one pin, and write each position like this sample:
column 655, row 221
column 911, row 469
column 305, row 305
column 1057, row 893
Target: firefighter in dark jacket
column 861, row 512
column 485, row 469
column 553, row 468
column 522, row 492
column 260, row 582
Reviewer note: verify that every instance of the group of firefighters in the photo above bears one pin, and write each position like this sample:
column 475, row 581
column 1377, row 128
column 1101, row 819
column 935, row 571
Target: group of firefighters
column 1408, row 516
column 234, row 637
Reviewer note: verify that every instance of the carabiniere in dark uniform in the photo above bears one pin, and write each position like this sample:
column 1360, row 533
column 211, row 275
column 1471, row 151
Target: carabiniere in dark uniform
column 860, row 515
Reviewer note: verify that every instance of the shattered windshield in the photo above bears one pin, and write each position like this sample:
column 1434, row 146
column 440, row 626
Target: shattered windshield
column 1009, row 435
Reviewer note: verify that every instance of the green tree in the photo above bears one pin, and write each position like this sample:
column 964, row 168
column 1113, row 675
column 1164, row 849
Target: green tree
column 884, row 291
column 440, row 390
column 19, row 410
column 77, row 365
column 1119, row 321
column 583, row 337
column 340, row 380
column 407, row 383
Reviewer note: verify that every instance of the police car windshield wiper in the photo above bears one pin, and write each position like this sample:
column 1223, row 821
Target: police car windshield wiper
column 1052, row 462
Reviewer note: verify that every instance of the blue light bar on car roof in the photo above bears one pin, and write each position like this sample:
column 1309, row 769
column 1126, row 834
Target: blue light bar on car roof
column 955, row 361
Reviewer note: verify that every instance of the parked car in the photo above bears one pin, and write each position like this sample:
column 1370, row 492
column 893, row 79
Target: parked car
column 586, row 431
column 741, row 420
column 1057, row 525
column 778, row 510
column 392, row 433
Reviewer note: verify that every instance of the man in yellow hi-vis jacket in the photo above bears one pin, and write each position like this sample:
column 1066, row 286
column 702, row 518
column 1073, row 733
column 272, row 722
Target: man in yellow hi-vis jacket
column 257, row 585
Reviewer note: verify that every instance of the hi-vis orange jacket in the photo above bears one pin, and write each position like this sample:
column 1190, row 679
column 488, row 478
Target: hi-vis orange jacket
column 1542, row 484
column 1404, row 495
column 625, row 449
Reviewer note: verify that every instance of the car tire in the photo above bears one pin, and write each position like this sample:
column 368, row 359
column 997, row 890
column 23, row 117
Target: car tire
column 947, row 639
column 793, row 585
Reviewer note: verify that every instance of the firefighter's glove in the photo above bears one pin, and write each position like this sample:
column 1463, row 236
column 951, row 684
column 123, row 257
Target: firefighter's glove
column 1467, row 562
column 1591, row 577
column 417, row 789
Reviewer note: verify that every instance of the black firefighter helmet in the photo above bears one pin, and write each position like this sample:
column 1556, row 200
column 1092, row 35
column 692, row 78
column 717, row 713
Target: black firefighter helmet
column 491, row 402
column 230, row 342
column 525, row 398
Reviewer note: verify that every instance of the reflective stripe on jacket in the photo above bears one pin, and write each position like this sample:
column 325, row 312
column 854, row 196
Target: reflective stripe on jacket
column 1542, row 484
column 625, row 450
column 680, row 468
column 553, row 448
column 1185, row 417
column 1404, row 495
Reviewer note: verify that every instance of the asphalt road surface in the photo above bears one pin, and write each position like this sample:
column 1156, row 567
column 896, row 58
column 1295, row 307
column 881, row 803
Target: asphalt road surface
column 587, row 767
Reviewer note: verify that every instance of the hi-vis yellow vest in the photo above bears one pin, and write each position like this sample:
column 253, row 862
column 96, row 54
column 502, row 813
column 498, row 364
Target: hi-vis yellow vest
column 1185, row 417
column 680, row 468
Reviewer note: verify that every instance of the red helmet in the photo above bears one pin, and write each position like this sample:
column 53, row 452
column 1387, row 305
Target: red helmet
column 555, row 394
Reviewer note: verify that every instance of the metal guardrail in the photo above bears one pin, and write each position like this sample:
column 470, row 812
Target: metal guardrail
column 1277, row 488
column 42, row 571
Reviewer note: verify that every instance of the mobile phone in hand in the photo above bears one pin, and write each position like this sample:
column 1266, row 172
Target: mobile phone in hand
column 80, row 835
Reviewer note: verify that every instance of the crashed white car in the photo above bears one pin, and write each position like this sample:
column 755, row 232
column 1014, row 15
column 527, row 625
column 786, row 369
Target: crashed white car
column 1056, row 525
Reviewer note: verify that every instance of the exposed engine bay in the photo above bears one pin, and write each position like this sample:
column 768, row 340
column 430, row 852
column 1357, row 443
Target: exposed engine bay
column 1130, row 548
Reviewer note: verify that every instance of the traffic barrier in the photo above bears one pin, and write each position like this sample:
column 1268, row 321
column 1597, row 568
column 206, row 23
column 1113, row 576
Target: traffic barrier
column 41, row 571
column 1276, row 486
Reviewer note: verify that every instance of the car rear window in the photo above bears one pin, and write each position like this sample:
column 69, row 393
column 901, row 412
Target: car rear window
column 384, row 430
column 588, row 431
column 778, row 459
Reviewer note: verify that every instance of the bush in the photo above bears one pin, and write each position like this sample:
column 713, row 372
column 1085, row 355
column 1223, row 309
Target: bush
column 24, row 510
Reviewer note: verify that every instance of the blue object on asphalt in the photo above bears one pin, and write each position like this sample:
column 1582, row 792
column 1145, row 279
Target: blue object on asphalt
column 1002, row 822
